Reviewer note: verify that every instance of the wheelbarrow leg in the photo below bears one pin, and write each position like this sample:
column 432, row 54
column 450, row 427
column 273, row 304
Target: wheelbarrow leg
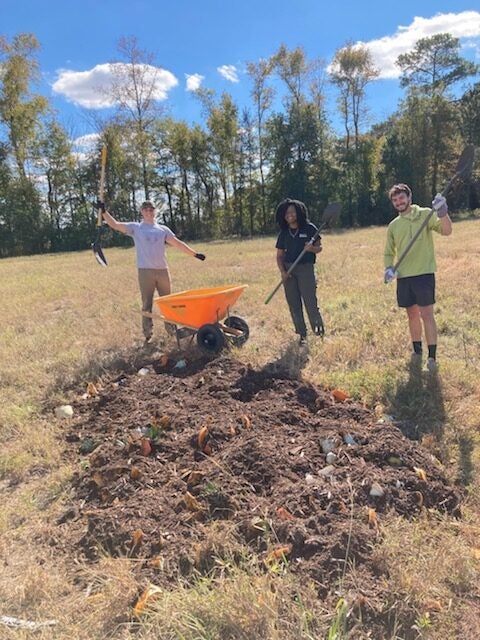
column 184, row 332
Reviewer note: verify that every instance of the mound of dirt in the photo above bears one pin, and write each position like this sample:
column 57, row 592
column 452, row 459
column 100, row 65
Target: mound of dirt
column 294, row 473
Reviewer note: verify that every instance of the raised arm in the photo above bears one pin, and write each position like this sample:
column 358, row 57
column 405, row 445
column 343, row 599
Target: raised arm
column 110, row 220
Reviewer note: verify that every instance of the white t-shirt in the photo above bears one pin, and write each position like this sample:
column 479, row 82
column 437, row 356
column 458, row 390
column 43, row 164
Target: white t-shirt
column 150, row 243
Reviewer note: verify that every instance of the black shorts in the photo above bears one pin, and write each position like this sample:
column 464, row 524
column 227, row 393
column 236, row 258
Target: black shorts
column 416, row 290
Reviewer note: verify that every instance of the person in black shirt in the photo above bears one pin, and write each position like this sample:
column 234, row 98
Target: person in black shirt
column 300, row 285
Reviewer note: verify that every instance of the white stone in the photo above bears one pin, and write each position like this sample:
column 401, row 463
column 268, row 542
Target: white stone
column 327, row 445
column 143, row 372
column 331, row 457
column 376, row 491
column 327, row 471
column 65, row 411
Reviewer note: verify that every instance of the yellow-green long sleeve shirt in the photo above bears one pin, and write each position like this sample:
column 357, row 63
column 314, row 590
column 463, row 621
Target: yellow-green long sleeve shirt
column 421, row 257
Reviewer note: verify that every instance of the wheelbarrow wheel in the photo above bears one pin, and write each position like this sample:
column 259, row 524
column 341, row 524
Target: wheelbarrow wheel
column 210, row 338
column 238, row 323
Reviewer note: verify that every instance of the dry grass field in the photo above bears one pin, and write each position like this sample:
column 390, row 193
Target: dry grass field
column 65, row 321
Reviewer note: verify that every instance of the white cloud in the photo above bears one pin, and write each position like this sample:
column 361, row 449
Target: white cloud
column 90, row 88
column 194, row 81
column 229, row 72
column 88, row 141
column 464, row 25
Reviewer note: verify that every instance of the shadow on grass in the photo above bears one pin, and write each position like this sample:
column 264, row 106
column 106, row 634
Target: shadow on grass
column 465, row 448
column 418, row 403
column 290, row 363
column 419, row 407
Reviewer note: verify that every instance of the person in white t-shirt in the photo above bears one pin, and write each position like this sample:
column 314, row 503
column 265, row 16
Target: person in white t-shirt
column 150, row 238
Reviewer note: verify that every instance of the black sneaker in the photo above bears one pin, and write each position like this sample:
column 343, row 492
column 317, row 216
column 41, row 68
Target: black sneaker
column 319, row 330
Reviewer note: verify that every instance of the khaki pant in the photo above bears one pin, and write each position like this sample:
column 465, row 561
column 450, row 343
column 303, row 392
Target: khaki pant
column 302, row 286
column 149, row 281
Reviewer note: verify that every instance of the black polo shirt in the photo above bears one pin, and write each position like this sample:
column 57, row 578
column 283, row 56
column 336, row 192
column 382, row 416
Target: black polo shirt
column 293, row 243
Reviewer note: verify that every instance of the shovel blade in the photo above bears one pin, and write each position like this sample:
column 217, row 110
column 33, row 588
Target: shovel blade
column 330, row 214
column 99, row 256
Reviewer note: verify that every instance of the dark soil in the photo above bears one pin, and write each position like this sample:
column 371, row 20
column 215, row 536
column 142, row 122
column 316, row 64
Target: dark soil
column 171, row 457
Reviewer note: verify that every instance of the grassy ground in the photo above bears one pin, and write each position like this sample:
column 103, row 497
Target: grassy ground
column 65, row 321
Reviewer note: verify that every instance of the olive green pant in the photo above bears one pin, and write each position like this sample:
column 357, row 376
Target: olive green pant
column 150, row 280
column 301, row 290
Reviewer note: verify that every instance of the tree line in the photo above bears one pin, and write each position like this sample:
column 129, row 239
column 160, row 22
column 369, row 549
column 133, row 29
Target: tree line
column 225, row 176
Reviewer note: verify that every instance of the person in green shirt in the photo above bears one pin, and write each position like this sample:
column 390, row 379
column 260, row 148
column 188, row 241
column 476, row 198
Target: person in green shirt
column 416, row 273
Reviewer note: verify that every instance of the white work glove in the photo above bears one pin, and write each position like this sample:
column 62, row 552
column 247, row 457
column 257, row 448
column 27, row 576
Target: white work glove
column 389, row 275
column 439, row 204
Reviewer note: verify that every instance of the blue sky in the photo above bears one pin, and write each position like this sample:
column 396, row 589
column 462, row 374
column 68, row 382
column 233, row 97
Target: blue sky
column 209, row 42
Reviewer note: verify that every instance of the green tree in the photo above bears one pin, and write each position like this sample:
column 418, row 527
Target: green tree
column 263, row 96
column 429, row 73
column 434, row 65
column 134, row 91
column 21, row 111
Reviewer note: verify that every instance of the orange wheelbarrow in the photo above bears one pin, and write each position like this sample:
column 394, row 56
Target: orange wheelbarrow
column 206, row 314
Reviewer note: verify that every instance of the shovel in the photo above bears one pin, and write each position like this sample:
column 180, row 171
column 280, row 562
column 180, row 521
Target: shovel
column 463, row 171
column 96, row 246
column 330, row 214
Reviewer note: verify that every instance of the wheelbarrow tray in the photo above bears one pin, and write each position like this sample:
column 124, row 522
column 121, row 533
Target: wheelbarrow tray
column 198, row 307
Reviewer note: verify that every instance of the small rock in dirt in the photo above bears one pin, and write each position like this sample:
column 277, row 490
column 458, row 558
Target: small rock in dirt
column 309, row 479
column 331, row 457
column 143, row 371
column 181, row 364
column 64, row 412
column 327, row 471
column 349, row 439
column 376, row 491
column 327, row 445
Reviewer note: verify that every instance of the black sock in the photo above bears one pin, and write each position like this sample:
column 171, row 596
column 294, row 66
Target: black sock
column 417, row 347
column 432, row 351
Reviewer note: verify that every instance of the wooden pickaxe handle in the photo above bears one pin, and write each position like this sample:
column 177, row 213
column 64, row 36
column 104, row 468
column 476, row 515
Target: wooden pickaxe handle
column 101, row 186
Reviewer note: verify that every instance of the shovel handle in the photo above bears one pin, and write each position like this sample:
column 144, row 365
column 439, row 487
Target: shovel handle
column 312, row 240
column 101, row 186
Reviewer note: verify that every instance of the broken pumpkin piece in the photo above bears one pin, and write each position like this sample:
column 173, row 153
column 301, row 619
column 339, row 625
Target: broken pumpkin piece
column 142, row 601
column 279, row 553
column 372, row 518
column 157, row 562
column 98, row 479
column 246, row 422
column 137, row 537
column 92, row 389
column 202, row 438
column 191, row 502
column 135, row 473
column 165, row 422
column 194, row 478
column 339, row 395
column 145, row 447
column 284, row 514
column 433, row 605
